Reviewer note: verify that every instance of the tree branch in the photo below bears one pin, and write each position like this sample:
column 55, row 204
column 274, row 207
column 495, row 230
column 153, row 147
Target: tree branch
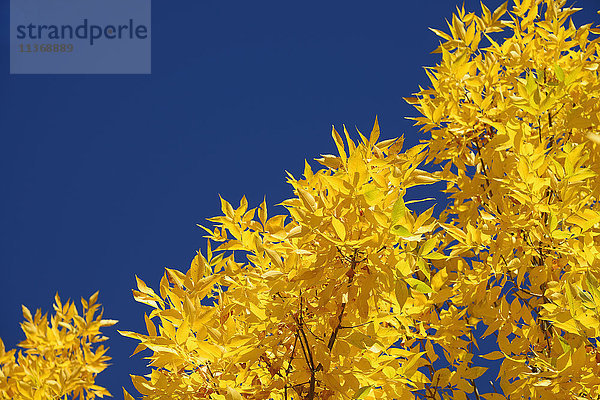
column 334, row 334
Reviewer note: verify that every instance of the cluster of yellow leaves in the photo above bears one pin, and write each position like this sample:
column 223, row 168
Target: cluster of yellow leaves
column 59, row 359
column 515, row 127
column 355, row 295
column 333, row 303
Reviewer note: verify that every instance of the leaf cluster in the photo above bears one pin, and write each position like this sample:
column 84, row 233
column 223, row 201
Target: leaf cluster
column 60, row 356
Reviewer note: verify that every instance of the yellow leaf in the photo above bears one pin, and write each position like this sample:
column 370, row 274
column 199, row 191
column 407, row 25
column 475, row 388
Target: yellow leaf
column 418, row 285
column 439, row 279
column 307, row 199
column 429, row 245
column 351, row 145
column 474, row 372
column 233, row 394
column 374, row 133
column 594, row 137
column 127, row 396
column 362, row 393
column 339, row 143
column 26, row 313
column 401, row 292
column 339, row 228
column 494, row 355
column 398, row 211
column 275, row 258
column 150, row 326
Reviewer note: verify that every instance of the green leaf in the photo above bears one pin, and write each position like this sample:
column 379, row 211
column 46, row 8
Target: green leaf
column 563, row 343
column 362, row 392
column 569, row 296
column 400, row 231
column 399, row 210
column 421, row 265
column 592, row 285
column 560, row 74
column 418, row 285
column 428, row 246
column 531, row 84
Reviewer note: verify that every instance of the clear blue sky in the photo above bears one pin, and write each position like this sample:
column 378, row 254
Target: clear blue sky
column 106, row 176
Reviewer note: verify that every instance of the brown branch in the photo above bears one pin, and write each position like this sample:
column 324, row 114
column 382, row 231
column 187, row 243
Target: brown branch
column 312, row 333
column 300, row 384
column 334, row 334
column 214, row 384
column 493, row 386
column 209, row 371
column 336, row 329
column 287, row 372
column 356, row 326
column 305, row 346
column 311, row 387
column 475, row 389
column 309, row 363
column 306, row 352
column 289, row 367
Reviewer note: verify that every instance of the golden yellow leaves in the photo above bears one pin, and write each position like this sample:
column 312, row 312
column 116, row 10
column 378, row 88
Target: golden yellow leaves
column 513, row 123
column 60, row 357
column 594, row 137
column 309, row 307
column 355, row 293
column 529, row 75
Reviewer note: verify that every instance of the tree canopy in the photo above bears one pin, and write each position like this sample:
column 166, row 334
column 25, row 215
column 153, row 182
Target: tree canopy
column 61, row 356
column 354, row 294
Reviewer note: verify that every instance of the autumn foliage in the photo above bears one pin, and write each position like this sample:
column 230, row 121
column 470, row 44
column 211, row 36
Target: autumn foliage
column 354, row 294
column 61, row 357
